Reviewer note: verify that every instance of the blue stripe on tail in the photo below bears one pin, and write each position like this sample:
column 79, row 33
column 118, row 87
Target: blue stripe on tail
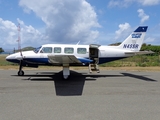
column 141, row 29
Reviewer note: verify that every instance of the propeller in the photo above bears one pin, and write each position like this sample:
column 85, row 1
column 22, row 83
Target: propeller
column 20, row 58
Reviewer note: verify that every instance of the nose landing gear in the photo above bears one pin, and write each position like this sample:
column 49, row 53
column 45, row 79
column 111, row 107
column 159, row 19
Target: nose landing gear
column 20, row 72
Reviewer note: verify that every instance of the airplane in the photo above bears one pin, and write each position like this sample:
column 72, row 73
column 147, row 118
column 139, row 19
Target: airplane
column 67, row 55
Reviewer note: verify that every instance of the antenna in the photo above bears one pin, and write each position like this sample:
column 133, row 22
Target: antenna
column 78, row 43
column 19, row 38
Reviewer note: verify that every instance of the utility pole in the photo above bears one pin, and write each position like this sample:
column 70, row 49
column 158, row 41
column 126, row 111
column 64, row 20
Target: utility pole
column 19, row 38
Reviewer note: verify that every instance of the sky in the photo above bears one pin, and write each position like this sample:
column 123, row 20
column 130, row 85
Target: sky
column 71, row 21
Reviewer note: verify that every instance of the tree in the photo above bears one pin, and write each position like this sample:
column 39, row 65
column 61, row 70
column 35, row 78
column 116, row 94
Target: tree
column 1, row 50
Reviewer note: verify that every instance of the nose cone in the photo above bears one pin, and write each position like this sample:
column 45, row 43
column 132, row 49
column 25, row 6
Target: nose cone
column 9, row 57
column 12, row 58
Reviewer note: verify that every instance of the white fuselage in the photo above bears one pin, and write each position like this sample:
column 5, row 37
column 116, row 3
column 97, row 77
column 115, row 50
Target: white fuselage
column 39, row 56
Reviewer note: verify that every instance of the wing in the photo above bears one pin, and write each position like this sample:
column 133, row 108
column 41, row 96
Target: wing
column 67, row 59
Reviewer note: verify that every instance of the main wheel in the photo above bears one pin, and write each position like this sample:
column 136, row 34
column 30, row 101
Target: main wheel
column 20, row 73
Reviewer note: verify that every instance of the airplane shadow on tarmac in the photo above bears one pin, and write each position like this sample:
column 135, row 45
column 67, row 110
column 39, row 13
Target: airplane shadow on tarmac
column 75, row 84
column 140, row 77
column 71, row 87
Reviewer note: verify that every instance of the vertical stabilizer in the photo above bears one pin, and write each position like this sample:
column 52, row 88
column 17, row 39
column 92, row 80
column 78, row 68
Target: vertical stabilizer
column 135, row 40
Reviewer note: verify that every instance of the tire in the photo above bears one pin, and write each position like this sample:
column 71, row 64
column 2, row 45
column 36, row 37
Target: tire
column 20, row 73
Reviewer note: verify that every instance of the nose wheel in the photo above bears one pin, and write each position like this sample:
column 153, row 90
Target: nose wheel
column 20, row 72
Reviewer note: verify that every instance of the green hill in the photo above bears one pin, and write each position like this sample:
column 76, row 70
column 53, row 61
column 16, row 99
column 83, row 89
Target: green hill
column 26, row 49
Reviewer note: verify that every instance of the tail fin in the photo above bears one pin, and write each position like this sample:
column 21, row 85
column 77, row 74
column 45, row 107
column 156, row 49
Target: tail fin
column 134, row 40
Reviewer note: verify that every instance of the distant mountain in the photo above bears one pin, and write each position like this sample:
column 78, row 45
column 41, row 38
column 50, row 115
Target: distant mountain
column 9, row 51
column 6, row 53
column 115, row 44
column 26, row 49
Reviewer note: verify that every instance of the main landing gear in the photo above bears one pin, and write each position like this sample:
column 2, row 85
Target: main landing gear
column 20, row 72
column 66, row 71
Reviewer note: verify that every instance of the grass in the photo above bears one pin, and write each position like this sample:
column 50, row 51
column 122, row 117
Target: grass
column 3, row 61
column 140, row 60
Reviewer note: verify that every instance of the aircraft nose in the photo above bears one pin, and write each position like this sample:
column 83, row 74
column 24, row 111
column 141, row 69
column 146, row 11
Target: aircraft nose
column 9, row 57
column 14, row 58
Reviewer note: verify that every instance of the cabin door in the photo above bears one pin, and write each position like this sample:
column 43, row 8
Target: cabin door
column 94, row 53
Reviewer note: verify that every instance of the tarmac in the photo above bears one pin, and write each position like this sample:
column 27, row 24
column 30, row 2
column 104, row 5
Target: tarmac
column 109, row 95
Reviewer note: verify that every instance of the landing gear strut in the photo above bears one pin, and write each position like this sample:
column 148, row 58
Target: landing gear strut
column 20, row 72
column 66, row 72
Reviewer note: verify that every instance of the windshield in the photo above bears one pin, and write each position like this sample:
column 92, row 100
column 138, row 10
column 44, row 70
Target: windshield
column 36, row 50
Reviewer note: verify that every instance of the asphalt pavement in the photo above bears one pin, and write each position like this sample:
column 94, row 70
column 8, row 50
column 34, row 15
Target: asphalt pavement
column 109, row 95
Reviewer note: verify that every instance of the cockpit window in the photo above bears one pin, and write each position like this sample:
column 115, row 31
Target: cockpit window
column 36, row 50
column 46, row 50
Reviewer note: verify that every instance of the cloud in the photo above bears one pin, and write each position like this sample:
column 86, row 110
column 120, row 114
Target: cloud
column 9, row 34
column 120, row 3
column 30, row 35
column 149, row 40
column 142, row 15
column 123, row 30
column 127, row 3
column 67, row 21
column 149, row 2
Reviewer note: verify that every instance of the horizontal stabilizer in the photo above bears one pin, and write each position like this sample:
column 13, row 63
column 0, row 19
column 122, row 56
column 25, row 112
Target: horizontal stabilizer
column 140, row 52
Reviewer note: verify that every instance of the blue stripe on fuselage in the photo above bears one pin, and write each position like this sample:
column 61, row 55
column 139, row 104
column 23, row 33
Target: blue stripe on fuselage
column 13, row 60
column 85, row 60
column 37, row 60
column 44, row 61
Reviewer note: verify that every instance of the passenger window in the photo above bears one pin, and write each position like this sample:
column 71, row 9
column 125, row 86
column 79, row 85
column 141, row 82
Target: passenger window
column 46, row 50
column 81, row 50
column 57, row 50
column 68, row 50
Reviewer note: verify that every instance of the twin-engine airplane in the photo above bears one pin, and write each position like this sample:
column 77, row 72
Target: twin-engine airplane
column 74, row 55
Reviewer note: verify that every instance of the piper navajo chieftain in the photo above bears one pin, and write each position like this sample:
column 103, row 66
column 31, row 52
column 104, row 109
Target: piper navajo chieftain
column 85, row 55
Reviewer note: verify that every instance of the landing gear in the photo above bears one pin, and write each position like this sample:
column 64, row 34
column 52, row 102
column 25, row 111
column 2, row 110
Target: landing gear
column 66, row 72
column 20, row 72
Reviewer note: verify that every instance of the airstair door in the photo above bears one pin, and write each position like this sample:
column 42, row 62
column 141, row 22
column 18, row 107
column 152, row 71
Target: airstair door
column 94, row 55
